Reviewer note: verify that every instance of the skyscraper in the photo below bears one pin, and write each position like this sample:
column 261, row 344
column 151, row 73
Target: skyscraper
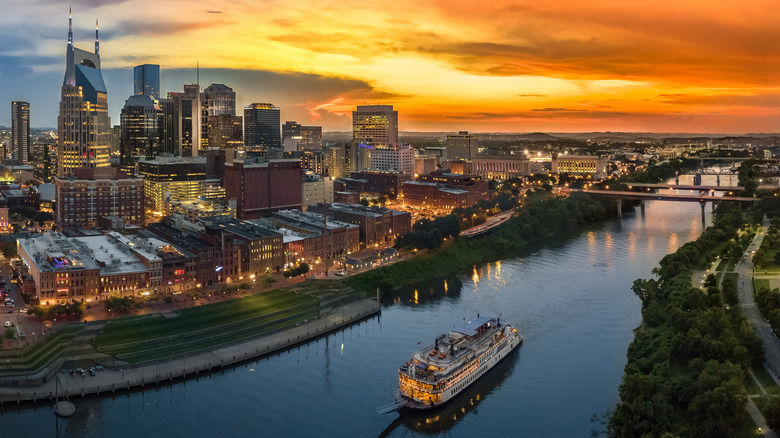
column 216, row 100
column 20, row 131
column 140, row 131
column 186, row 120
column 262, row 126
column 375, row 126
column 146, row 80
column 82, row 124
column 308, row 138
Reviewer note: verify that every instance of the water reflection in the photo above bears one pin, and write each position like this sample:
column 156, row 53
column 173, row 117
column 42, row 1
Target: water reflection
column 444, row 418
column 442, row 288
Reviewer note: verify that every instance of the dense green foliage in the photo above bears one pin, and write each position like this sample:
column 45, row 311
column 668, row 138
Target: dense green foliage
column 122, row 304
column 301, row 269
column 429, row 234
column 686, row 365
column 75, row 310
column 536, row 221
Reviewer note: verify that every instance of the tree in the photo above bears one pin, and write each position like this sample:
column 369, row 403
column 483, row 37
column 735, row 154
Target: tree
column 10, row 333
column 773, row 413
column 364, row 202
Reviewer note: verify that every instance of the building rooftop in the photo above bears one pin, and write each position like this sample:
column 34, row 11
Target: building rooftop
column 112, row 256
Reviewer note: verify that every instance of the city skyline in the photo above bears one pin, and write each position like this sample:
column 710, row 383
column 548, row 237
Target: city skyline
column 515, row 67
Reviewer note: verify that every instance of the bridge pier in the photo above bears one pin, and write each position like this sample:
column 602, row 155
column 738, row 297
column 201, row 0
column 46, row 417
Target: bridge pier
column 718, row 180
column 642, row 206
column 703, row 217
column 620, row 207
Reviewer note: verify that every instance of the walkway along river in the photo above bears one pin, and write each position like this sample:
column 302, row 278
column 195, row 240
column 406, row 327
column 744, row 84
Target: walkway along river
column 571, row 300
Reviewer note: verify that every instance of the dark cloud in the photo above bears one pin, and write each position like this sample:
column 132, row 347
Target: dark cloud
column 213, row 12
column 764, row 100
column 557, row 109
column 532, row 95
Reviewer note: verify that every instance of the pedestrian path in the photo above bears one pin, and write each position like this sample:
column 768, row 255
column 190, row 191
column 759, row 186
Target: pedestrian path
column 124, row 376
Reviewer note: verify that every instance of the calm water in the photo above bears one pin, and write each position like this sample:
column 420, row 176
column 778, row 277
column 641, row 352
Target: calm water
column 572, row 302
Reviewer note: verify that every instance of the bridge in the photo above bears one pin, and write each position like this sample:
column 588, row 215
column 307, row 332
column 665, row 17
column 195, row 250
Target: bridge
column 643, row 197
column 687, row 187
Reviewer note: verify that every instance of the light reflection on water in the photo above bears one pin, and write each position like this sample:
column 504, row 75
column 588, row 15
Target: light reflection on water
column 571, row 300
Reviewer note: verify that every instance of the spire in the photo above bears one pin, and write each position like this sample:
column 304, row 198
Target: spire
column 70, row 26
column 97, row 40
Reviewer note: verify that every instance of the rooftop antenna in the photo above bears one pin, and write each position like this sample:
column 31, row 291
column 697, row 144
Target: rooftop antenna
column 197, row 73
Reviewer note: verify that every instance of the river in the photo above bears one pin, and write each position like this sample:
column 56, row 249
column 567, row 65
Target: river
column 571, row 300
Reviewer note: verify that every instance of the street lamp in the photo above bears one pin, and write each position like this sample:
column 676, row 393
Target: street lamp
column 472, row 219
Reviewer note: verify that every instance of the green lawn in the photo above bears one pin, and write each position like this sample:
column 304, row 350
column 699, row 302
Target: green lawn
column 766, row 380
column 760, row 283
column 152, row 337
column 40, row 353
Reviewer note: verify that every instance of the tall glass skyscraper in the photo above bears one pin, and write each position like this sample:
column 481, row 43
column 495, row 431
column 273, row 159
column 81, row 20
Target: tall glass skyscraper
column 140, row 128
column 20, row 131
column 146, row 80
column 262, row 126
column 83, row 137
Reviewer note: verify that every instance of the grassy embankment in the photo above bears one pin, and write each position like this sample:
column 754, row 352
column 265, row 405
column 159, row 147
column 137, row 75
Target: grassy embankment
column 154, row 337
column 33, row 358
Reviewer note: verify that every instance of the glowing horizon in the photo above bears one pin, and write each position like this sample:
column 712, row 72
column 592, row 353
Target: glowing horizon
column 512, row 66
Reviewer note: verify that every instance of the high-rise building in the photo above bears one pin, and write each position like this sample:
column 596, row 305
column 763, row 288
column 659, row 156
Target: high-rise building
column 94, row 192
column 20, row 131
column 262, row 126
column 44, row 161
column 400, row 159
column 260, row 186
column 166, row 124
column 146, row 80
column 168, row 179
column 375, row 126
column 216, row 100
column 462, row 146
column 307, row 138
column 140, row 137
column 82, row 124
column 225, row 131
column 186, row 121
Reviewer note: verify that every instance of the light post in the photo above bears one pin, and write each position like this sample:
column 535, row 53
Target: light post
column 472, row 219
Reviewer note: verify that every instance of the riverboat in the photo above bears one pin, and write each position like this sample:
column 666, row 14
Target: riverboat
column 437, row 373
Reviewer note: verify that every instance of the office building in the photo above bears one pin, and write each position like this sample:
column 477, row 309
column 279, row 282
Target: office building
column 262, row 126
column 82, row 124
column 444, row 191
column 166, row 125
column 216, row 100
column 462, row 146
column 306, row 138
column 146, row 80
column 140, row 131
column 90, row 193
column 20, row 132
column 375, row 126
column 399, row 159
column 186, row 120
column 336, row 161
column 424, row 164
column 259, row 186
column 168, row 179
column 44, row 162
column 225, row 131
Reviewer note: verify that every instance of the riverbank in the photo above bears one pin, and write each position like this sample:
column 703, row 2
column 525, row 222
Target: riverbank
column 126, row 377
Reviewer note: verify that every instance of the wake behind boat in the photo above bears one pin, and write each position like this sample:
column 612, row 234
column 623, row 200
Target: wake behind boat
column 439, row 372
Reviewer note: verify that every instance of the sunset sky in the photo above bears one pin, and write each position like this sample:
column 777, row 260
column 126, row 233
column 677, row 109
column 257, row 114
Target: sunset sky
column 515, row 66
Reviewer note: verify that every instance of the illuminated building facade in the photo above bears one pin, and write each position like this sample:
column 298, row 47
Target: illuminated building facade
column 44, row 162
column 186, row 121
column 501, row 167
column 82, row 125
column 316, row 188
column 580, row 165
column 168, row 179
column 375, row 126
column 225, row 131
column 399, row 159
column 445, row 191
column 377, row 225
column 308, row 138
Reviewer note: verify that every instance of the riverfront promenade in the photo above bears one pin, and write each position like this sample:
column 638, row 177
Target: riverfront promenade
column 124, row 377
